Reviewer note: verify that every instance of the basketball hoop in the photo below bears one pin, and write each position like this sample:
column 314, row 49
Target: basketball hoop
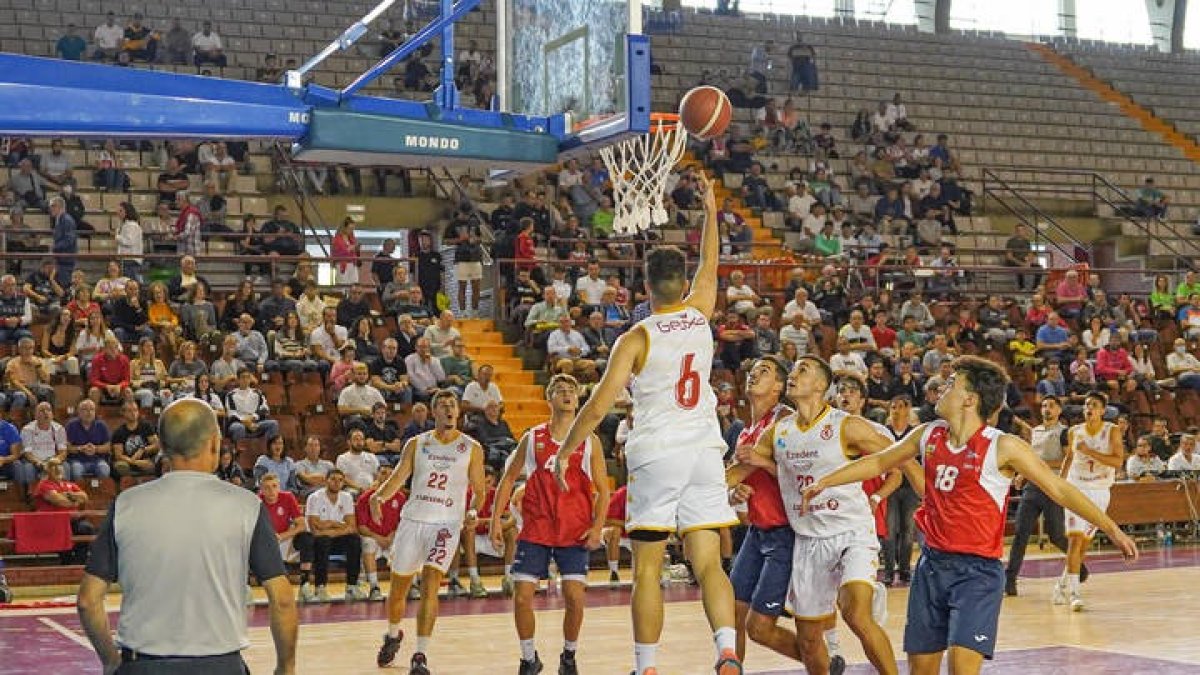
column 638, row 168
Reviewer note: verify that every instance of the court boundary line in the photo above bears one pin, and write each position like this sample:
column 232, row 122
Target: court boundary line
column 65, row 632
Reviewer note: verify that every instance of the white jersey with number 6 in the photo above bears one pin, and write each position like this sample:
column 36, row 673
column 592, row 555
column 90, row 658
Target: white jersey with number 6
column 1085, row 471
column 441, row 475
column 674, row 408
column 804, row 454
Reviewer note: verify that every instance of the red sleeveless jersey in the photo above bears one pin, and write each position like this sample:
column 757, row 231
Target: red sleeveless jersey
column 765, row 509
column 870, row 487
column 966, row 495
column 550, row 516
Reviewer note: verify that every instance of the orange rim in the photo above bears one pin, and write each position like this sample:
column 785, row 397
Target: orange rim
column 660, row 122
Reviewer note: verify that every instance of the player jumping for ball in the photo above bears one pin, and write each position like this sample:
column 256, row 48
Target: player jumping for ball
column 674, row 451
column 954, row 602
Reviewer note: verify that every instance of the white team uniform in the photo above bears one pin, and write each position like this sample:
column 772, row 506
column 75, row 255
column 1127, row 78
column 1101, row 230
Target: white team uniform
column 835, row 539
column 1092, row 478
column 432, row 518
column 675, row 451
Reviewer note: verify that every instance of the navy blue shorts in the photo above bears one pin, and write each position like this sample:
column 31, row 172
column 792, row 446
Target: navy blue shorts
column 762, row 571
column 531, row 562
column 954, row 600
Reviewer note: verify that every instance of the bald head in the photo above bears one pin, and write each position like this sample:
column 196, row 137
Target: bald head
column 187, row 428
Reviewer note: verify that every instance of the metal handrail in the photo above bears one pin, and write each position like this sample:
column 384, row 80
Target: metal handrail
column 304, row 202
column 1035, row 225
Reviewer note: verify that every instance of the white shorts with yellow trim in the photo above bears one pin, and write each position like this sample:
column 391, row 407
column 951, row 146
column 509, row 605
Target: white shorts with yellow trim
column 679, row 491
column 1075, row 524
column 822, row 565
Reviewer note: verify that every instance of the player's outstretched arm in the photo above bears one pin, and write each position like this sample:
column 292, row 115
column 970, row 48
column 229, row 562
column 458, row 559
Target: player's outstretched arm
column 394, row 482
column 869, row 466
column 703, row 295
column 627, row 351
column 1017, row 456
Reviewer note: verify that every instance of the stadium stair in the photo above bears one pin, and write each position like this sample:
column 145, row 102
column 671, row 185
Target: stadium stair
column 1144, row 116
column 524, row 400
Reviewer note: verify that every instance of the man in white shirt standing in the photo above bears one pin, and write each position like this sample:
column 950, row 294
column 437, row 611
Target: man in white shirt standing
column 108, row 39
column 331, row 521
column 567, row 350
column 207, row 45
column 1185, row 459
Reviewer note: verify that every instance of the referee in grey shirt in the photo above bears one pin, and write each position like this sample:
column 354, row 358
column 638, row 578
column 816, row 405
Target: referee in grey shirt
column 181, row 548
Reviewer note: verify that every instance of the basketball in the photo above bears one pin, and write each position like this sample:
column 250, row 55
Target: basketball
column 705, row 112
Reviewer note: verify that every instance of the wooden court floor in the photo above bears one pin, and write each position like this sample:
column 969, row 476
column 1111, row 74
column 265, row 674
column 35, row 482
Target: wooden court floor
column 1139, row 620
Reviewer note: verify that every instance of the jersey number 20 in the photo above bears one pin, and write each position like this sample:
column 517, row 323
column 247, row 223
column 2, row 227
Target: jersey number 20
column 687, row 388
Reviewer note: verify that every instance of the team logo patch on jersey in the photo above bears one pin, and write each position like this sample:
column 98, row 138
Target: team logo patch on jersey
column 827, row 432
column 449, row 502
column 443, row 536
column 462, row 447
column 279, row 510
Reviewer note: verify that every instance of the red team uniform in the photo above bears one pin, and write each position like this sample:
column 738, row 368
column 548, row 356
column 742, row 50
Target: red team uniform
column 959, row 581
column 554, row 522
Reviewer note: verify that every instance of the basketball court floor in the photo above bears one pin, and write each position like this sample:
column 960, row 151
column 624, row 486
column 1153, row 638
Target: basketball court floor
column 1140, row 619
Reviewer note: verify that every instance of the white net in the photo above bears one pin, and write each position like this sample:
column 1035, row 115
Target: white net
column 639, row 168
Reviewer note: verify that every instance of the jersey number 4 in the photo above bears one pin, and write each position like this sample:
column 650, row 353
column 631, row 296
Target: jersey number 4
column 687, row 388
column 946, row 475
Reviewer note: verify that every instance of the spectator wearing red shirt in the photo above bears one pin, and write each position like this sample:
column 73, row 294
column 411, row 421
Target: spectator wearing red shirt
column 524, row 250
column 109, row 374
column 885, row 335
column 1037, row 313
column 377, row 535
column 1114, row 367
column 476, row 541
column 56, row 494
column 291, row 530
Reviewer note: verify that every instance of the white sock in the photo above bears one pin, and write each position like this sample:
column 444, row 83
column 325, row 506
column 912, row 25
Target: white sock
column 393, row 630
column 1073, row 583
column 527, row 650
column 726, row 638
column 473, row 572
column 614, row 565
column 644, row 656
column 508, row 570
column 373, row 579
column 422, row 644
column 832, row 644
column 570, row 646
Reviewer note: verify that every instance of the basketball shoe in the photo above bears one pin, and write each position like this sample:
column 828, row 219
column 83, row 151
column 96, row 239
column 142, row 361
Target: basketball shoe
column 531, row 667
column 566, row 663
column 418, row 665
column 387, row 652
column 1059, row 597
column 728, row 664
column 1076, row 602
column 837, row 665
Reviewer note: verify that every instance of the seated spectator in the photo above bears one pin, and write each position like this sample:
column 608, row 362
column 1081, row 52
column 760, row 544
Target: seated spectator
column 797, row 333
column 1097, row 336
column 28, row 188
column 198, row 317
column 149, row 379
column 442, row 334
column 1054, row 339
column 480, row 391
column 135, row 445
column 130, row 319
column 41, row 440
column 857, row 334
column 736, row 341
column 281, row 236
column 291, row 529
column 108, row 38
column 1022, row 351
column 203, row 390
column 213, row 207
column 756, row 193
column 359, row 466
column 766, row 339
column 377, row 535
column 177, row 44
column 383, row 436
column 1188, row 317
column 89, row 444
column 248, row 410
column 140, row 43
column 567, row 352
column 330, row 515
column 312, row 470
column 1142, row 464
column 394, row 293
column 275, row 463
column 358, row 397
column 26, row 378
column 180, row 286
column 291, row 348
column 389, row 375
column 58, row 345
column 353, row 307
column 419, row 423
column 890, row 214
column 1185, row 459
column 181, row 376
column 407, row 334
column 230, row 471
column 43, row 290
column 225, row 368
column 425, row 373
column 109, row 374
column 161, row 315
column 543, row 317
column 207, row 47
column 310, row 307
column 55, row 493
column 615, row 314
column 111, row 286
column 1184, row 366
column 1151, row 202
column 937, row 354
column 326, row 340
column 1069, row 296
column 600, row 338
column 416, row 307
column 739, row 297
column 110, row 175
column 458, row 367
column 847, row 362
column 251, row 347
column 16, row 312
column 493, row 433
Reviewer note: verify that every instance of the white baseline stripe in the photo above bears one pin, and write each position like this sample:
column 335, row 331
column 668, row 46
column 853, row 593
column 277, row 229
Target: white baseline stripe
column 66, row 632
